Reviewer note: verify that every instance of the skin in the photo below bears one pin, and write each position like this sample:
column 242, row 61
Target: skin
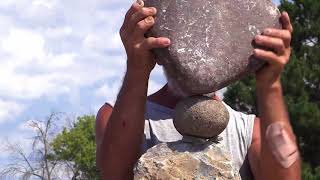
column 119, row 130
column 271, row 104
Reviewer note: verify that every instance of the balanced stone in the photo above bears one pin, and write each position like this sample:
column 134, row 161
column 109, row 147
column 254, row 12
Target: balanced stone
column 200, row 116
column 181, row 160
column 211, row 40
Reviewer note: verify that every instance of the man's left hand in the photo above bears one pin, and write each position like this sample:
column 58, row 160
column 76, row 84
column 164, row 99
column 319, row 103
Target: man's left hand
column 277, row 41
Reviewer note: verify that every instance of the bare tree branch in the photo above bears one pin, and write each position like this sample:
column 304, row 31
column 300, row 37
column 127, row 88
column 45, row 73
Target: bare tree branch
column 37, row 163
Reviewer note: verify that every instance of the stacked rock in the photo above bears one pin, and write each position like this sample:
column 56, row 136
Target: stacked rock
column 211, row 48
column 199, row 119
column 211, row 40
column 201, row 116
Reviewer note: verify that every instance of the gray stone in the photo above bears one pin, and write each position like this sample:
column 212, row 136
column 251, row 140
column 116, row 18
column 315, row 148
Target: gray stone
column 183, row 160
column 211, row 40
column 200, row 116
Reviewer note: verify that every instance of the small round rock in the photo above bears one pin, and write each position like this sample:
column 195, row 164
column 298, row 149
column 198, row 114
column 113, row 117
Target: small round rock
column 201, row 117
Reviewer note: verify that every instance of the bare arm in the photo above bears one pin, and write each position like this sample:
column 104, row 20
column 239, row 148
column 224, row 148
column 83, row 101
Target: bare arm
column 120, row 146
column 272, row 109
column 271, row 105
column 101, row 122
column 123, row 134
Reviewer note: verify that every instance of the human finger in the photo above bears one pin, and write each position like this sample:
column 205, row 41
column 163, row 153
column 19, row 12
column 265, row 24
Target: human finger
column 152, row 43
column 275, row 44
column 136, row 6
column 133, row 9
column 143, row 26
column 269, row 57
column 286, row 23
column 141, row 15
column 285, row 35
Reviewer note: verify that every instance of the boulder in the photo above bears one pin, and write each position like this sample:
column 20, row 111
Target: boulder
column 200, row 116
column 184, row 160
column 211, row 40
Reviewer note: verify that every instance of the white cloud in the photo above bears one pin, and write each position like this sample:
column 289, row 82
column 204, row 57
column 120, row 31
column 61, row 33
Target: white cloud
column 57, row 46
column 24, row 44
column 9, row 109
column 109, row 92
column 29, row 70
column 45, row 3
column 58, row 32
column 97, row 41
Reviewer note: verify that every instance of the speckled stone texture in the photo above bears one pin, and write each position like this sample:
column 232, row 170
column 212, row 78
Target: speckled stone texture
column 188, row 161
column 211, row 40
column 200, row 116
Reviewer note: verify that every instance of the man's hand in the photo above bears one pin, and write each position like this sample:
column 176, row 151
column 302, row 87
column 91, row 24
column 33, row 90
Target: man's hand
column 278, row 41
column 138, row 21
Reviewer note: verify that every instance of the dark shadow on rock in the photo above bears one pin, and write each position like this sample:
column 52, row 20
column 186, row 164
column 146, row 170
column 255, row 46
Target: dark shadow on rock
column 186, row 145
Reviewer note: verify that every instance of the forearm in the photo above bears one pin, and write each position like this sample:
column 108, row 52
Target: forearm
column 271, row 105
column 122, row 139
column 272, row 109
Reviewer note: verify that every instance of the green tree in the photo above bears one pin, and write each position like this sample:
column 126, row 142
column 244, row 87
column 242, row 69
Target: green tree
column 301, row 82
column 310, row 173
column 76, row 147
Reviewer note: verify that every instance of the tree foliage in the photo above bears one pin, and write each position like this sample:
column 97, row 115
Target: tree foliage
column 301, row 82
column 76, row 147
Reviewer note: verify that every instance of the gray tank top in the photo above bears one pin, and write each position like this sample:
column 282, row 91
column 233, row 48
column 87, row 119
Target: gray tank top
column 236, row 138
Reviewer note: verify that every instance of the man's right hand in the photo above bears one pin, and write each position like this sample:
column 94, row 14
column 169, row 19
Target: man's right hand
column 138, row 21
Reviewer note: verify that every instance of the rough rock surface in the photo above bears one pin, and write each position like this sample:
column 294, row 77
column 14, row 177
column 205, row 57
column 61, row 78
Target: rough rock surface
column 200, row 116
column 183, row 160
column 211, row 40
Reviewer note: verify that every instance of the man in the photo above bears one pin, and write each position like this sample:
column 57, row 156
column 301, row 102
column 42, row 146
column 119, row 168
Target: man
column 265, row 146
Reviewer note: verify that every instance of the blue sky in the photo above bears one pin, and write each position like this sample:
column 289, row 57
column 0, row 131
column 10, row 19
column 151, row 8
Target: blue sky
column 58, row 55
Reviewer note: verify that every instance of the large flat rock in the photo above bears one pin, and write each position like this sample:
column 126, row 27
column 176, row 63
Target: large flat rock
column 211, row 40
column 184, row 160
